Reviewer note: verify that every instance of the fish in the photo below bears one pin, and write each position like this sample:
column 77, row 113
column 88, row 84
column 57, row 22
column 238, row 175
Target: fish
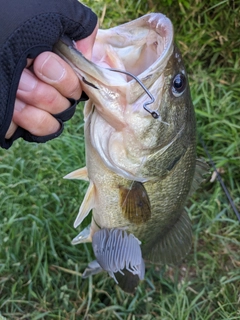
column 141, row 161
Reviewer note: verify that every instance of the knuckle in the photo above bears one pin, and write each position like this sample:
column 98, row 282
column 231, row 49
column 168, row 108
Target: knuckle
column 74, row 89
column 45, row 124
column 45, row 94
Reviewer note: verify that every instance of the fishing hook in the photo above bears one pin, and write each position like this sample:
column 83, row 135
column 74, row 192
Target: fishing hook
column 154, row 113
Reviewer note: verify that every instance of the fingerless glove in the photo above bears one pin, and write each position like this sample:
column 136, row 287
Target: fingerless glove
column 29, row 27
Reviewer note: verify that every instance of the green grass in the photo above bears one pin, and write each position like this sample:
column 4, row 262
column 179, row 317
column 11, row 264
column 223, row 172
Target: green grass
column 40, row 271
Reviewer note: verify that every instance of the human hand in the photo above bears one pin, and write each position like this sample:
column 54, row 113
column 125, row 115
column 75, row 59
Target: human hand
column 29, row 28
column 44, row 91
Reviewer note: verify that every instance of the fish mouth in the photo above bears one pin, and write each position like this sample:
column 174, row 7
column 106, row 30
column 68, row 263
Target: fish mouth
column 141, row 47
column 138, row 46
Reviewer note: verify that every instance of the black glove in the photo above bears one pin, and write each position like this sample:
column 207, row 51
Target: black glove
column 29, row 27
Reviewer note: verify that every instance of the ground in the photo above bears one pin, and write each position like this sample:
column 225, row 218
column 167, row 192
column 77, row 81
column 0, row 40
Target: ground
column 40, row 271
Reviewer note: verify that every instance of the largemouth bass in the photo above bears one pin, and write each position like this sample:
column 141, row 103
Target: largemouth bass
column 140, row 162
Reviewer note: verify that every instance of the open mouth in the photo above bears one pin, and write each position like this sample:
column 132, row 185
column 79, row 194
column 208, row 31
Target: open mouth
column 140, row 48
column 135, row 46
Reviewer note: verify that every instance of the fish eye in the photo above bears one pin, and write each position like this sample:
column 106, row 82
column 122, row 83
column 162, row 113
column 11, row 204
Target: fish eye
column 178, row 85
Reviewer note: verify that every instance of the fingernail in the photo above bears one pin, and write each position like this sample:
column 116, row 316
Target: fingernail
column 52, row 69
column 27, row 81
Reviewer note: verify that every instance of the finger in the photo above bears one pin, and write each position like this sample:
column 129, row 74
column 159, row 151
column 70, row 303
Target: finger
column 29, row 62
column 38, row 122
column 86, row 45
column 12, row 128
column 35, row 92
column 51, row 69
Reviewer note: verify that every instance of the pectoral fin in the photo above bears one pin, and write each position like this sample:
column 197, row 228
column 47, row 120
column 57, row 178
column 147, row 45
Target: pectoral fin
column 135, row 203
column 174, row 245
column 80, row 174
column 86, row 206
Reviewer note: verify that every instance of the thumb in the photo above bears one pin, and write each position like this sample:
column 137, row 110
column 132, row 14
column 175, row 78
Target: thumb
column 85, row 46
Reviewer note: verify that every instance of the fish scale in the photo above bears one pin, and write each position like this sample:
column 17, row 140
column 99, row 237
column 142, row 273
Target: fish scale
column 141, row 169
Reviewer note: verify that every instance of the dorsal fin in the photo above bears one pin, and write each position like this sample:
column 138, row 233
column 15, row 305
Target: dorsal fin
column 174, row 245
column 86, row 206
column 80, row 174
column 201, row 170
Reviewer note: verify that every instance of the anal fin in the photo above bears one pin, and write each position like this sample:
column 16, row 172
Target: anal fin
column 174, row 245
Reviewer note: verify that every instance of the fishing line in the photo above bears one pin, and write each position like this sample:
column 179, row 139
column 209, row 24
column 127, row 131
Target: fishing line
column 220, row 179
